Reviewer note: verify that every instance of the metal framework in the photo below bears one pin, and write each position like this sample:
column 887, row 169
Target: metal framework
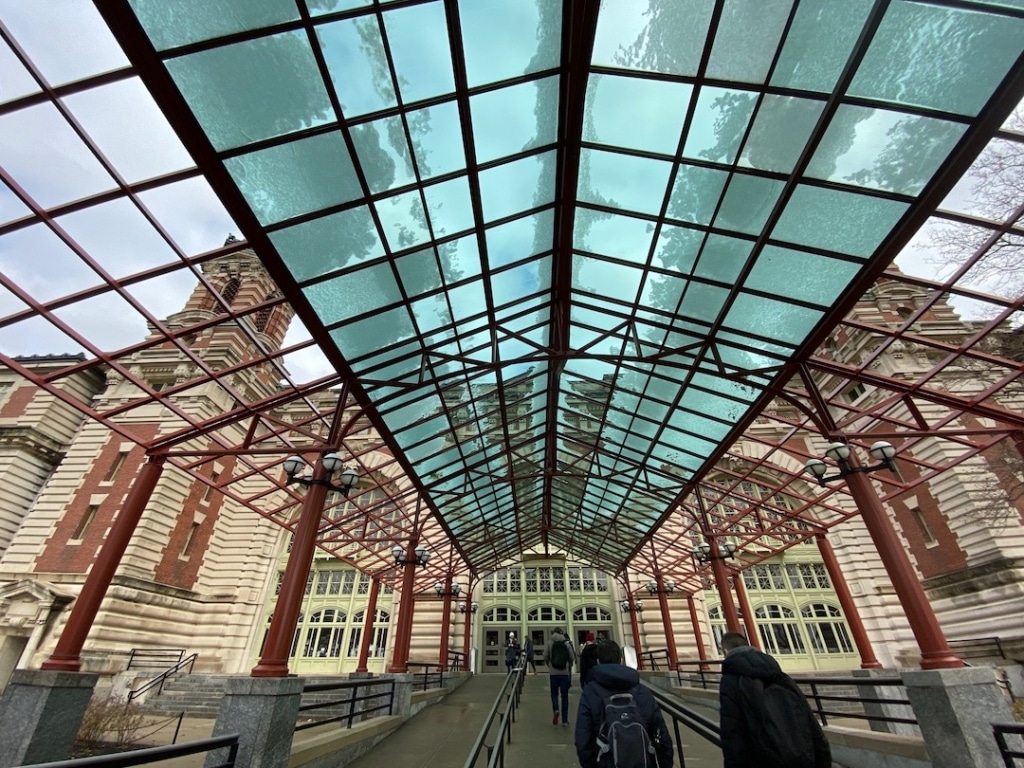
column 588, row 286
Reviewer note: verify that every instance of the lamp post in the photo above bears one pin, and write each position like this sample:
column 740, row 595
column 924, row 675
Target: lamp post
column 935, row 651
column 663, row 589
column 331, row 463
column 716, row 553
column 634, row 609
column 472, row 607
column 420, row 556
column 408, row 558
column 452, row 590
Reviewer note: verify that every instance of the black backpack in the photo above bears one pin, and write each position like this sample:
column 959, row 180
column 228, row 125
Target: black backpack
column 780, row 723
column 623, row 740
column 559, row 655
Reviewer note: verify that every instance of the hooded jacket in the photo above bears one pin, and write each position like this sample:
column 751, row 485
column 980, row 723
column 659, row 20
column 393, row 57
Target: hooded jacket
column 617, row 678
column 737, row 749
column 558, row 637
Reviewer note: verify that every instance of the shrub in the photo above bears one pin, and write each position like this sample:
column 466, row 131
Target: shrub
column 108, row 726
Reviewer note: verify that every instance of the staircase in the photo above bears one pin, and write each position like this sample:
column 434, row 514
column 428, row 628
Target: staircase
column 196, row 695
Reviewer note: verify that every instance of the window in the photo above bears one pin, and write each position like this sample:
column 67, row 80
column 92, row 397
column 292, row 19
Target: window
column 779, row 630
column 923, row 527
column 85, row 522
column 503, row 614
column 854, row 392
column 115, row 467
column 190, row 537
column 591, row 613
column 826, row 628
column 328, row 582
column 277, row 586
column 323, row 637
column 545, row 613
column 210, row 488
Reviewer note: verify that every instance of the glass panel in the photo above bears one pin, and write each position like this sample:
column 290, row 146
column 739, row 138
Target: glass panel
column 719, row 124
column 636, row 113
column 748, row 202
column 723, row 258
column 837, row 221
column 418, row 38
column 449, row 206
column 437, row 140
column 403, row 220
column 254, row 90
column 383, row 154
column 801, row 276
column 605, row 279
column 358, row 66
column 520, row 239
column 508, row 189
column 324, row 245
column 170, row 23
column 747, row 37
column 940, row 58
column 819, row 43
column 622, row 181
column 502, row 40
column 696, row 193
column 624, row 237
column 351, row 294
column 510, row 120
column 781, row 129
column 419, row 272
column 522, row 281
column 772, row 319
column 664, row 37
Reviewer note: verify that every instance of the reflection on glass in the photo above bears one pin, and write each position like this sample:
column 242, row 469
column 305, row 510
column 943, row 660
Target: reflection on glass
column 502, row 40
column 358, row 65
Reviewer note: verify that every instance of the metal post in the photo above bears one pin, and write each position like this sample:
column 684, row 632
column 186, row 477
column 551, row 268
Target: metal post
column 748, row 613
column 666, row 620
column 695, row 621
column 403, row 635
column 368, row 620
column 635, row 626
column 66, row 657
column 732, row 621
column 446, row 617
column 274, row 660
column 860, row 635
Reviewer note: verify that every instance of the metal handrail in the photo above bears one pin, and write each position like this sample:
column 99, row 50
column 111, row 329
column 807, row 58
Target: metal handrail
column 455, row 660
column 980, row 643
column 154, row 657
column 160, row 679
column 428, row 676
column 1000, row 730
column 355, row 687
column 652, row 658
column 154, row 754
column 696, row 722
column 511, row 694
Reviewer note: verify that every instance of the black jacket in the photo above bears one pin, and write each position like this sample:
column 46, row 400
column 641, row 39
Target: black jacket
column 588, row 660
column 737, row 749
column 617, row 678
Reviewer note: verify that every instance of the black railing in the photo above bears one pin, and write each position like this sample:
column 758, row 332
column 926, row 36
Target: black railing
column 708, row 673
column 455, row 659
column 432, row 675
column 158, row 681
column 159, row 658
column 978, row 648
column 228, row 742
column 683, row 716
column 657, row 659
column 1010, row 755
column 351, row 703
column 510, row 695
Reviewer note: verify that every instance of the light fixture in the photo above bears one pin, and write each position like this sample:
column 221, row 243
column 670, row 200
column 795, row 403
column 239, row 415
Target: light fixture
column 652, row 588
column 422, row 555
column 473, row 607
column 882, row 452
column 331, row 462
column 726, row 551
column 638, row 606
column 454, row 592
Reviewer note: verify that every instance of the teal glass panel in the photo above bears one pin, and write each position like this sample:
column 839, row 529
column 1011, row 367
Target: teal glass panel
column 772, row 319
column 603, row 278
column 510, row 120
column 636, row 113
column 403, row 220
column 468, row 300
column 460, row 259
column 517, row 186
column 418, row 272
column 254, row 90
column 819, row 43
column 520, row 239
column 292, row 179
column 622, row 181
column 522, row 281
column 703, row 302
column 748, row 202
column 719, row 124
column 431, row 313
column 344, row 239
column 321, row 7
column 748, row 36
column 777, row 350
column 418, row 39
column 170, row 23
column 358, row 65
column 502, row 40
column 725, row 387
column 940, row 58
column 698, row 424
column 746, row 360
column 781, row 129
column 903, row 152
column 678, row 248
column 383, row 154
column 844, row 222
column 802, row 276
column 723, row 258
column 622, row 237
column 449, row 206
column 437, row 140
column 708, row 404
column 696, row 193
column 664, row 37
column 353, row 293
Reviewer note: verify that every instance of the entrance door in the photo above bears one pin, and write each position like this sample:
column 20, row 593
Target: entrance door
column 494, row 647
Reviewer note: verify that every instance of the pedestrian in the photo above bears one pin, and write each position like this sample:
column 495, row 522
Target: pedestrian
column 559, row 656
column 588, row 658
column 613, row 689
column 765, row 719
column 511, row 652
column 528, row 652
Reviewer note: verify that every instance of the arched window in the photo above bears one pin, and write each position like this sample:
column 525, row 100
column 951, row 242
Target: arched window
column 545, row 613
column 503, row 614
column 229, row 292
column 323, row 636
column 779, row 630
column 263, row 316
column 591, row 613
column 826, row 628
column 295, row 637
column 380, row 632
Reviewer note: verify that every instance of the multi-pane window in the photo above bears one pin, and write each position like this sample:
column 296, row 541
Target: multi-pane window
column 545, row 613
column 323, row 637
column 501, row 613
column 349, row 584
column 826, row 628
column 591, row 613
column 380, row 634
column 309, row 583
column 363, row 587
column 764, row 578
column 575, row 581
column 328, row 582
column 808, row 576
column 779, row 630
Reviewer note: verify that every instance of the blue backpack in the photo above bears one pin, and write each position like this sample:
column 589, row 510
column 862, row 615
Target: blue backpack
column 623, row 740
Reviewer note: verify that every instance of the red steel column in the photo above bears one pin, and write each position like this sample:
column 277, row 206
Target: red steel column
column 403, row 634
column 274, row 661
column 368, row 620
column 666, row 620
column 634, row 609
column 446, row 618
column 935, row 651
column 695, row 621
column 66, row 657
column 732, row 621
column 860, row 635
column 748, row 614
column 467, row 630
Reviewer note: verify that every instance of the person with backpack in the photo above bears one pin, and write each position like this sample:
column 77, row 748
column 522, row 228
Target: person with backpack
column 765, row 719
column 559, row 656
column 588, row 658
column 619, row 722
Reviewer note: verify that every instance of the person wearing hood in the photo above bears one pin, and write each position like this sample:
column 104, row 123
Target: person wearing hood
column 608, row 677
column 746, row 672
column 559, row 666
column 588, row 658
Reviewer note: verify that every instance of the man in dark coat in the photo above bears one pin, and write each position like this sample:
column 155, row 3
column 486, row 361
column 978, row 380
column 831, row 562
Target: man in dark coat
column 588, row 658
column 608, row 677
column 744, row 665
